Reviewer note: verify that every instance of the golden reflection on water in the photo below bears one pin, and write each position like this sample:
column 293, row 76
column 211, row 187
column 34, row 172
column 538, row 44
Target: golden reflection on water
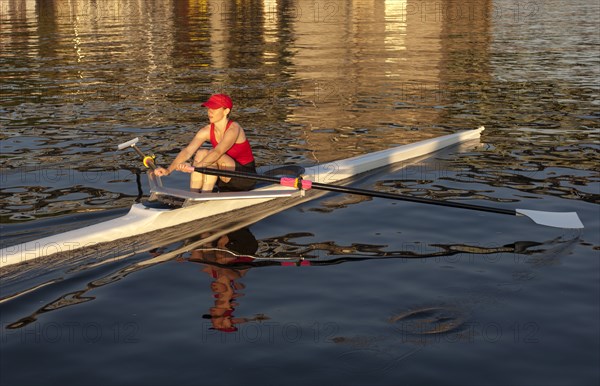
column 357, row 76
column 312, row 82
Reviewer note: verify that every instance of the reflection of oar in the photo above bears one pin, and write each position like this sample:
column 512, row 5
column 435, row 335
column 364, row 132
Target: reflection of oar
column 553, row 219
column 234, row 260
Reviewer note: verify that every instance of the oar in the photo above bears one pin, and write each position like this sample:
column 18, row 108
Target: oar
column 148, row 160
column 554, row 219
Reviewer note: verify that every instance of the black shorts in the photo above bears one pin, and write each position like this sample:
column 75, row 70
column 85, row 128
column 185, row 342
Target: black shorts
column 239, row 184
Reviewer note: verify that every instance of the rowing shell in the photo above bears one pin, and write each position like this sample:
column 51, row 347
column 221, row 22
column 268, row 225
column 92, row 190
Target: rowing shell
column 144, row 218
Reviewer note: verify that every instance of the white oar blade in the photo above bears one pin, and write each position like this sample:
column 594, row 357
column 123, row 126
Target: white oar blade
column 127, row 144
column 553, row 219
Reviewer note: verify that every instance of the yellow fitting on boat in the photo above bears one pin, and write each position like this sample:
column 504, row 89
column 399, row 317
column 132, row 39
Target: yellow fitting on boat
column 147, row 159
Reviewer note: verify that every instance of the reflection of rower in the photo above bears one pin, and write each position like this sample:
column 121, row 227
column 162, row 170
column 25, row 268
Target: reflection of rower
column 225, row 287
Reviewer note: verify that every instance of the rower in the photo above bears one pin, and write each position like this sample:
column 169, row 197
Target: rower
column 230, row 151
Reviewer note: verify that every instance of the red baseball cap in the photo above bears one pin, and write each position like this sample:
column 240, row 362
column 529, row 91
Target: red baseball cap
column 218, row 100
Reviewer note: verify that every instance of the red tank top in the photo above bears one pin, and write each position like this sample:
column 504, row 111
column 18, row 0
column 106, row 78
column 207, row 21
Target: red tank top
column 241, row 152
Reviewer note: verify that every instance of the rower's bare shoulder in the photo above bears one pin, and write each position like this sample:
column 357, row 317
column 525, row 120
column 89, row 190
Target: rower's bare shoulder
column 203, row 133
column 236, row 127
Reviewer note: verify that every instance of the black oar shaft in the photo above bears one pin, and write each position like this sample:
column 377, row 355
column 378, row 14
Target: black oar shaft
column 229, row 173
column 362, row 192
column 395, row 196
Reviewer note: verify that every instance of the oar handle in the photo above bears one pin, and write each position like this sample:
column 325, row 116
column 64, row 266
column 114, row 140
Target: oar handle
column 292, row 182
column 298, row 183
column 229, row 173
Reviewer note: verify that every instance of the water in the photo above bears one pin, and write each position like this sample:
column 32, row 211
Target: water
column 346, row 289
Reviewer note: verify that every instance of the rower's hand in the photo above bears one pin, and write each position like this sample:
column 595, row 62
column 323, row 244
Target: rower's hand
column 186, row 168
column 160, row 172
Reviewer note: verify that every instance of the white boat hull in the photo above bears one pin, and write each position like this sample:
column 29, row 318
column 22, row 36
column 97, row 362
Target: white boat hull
column 142, row 219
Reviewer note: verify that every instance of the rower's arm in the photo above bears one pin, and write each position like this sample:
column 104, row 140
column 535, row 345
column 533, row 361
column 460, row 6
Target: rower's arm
column 229, row 139
column 188, row 151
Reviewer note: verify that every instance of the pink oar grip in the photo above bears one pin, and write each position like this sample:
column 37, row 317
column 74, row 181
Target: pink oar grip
column 293, row 183
column 306, row 184
column 288, row 181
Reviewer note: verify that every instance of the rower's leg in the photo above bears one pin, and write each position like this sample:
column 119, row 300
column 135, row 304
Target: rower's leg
column 201, row 182
column 226, row 163
column 223, row 163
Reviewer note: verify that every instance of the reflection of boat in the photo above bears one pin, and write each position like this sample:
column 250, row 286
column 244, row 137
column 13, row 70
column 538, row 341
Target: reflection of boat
column 285, row 251
column 236, row 251
column 144, row 217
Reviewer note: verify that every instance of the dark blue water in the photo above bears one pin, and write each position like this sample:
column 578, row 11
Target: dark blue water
column 341, row 289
